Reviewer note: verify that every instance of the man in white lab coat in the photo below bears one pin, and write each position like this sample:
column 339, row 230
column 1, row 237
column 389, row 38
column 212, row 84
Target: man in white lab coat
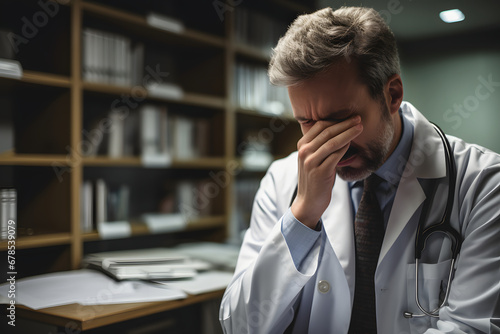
column 296, row 269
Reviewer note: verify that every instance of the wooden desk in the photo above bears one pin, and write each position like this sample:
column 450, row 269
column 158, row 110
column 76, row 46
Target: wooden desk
column 79, row 317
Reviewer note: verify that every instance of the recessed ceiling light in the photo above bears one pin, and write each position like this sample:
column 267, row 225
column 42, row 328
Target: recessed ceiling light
column 452, row 15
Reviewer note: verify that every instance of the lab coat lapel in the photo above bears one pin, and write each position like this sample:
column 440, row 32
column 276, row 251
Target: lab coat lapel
column 426, row 160
column 338, row 224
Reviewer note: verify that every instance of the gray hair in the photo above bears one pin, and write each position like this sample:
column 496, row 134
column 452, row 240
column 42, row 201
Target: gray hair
column 315, row 41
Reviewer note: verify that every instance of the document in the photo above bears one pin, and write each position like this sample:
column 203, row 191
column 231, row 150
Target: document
column 86, row 287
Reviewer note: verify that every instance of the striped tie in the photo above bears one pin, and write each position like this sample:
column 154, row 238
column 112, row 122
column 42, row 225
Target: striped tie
column 369, row 234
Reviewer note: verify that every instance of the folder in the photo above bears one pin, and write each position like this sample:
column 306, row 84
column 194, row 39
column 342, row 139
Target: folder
column 146, row 264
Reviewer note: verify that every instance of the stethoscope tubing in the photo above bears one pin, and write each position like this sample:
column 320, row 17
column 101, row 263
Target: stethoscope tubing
column 444, row 226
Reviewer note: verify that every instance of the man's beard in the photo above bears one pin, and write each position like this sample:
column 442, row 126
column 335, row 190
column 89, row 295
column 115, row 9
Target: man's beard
column 373, row 157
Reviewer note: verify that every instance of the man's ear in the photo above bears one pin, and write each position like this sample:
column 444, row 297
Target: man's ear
column 393, row 91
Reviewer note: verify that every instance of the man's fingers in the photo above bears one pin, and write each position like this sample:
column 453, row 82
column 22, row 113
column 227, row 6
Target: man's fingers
column 337, row 143
column 331, row 161
column 323, row 130
column 335, row 147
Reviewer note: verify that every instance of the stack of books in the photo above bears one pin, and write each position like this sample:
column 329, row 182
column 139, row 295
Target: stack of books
column 104, row 205
column 8, row 212
column 152, row 132
column 6, row 125
column 9, row 66
column 165, row 136
column 101, row 203
column 254, row 91
column 244, row 195
column 111, row 58
column 257, row 30
column 146, row 264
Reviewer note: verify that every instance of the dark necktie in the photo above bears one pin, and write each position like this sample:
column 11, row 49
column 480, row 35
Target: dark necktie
column 369, row 234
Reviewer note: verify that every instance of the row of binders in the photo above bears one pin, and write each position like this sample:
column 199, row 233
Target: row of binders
column 153, row 133
column 254, row 91
column 10, row 67
column 255, row 29
column 8, row 212
column 112, row 58
column 99, row 203
column 106, row 208
column 244, row 191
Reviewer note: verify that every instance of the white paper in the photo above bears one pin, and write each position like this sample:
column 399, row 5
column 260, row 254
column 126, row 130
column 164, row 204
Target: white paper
column 86, row 287
column 165, row 23
column 165, row 90
column 113, row 230
column 155, row 160
column 159, row 223
column 201, row 283
column 10, row 69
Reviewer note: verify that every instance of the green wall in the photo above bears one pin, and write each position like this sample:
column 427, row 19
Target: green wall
column 452, row 90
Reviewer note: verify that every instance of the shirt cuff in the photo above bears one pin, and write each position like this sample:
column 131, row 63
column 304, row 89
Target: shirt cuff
column 299, row 238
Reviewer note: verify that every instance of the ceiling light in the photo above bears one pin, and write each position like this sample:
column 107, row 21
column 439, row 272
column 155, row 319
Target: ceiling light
column 452, row 15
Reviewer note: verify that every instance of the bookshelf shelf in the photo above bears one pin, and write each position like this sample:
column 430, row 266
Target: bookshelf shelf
column 194, row 99
column 204, row 100
column 200, row 163
column 142, row 27
column 293, row 6
column 32, row 159
column 136, row 162
column 113, row 89
column 140, row 229
column 38, row 79
column 111, row 162
column 43, row 240
column 251, row 52
column 46, row 79
column 206, row 223
column 262, row 114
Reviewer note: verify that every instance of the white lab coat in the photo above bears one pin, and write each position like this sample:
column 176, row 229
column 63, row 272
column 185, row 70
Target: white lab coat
column 267, row 287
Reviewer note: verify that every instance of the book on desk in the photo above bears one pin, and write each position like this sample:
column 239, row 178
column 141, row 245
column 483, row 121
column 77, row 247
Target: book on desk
column 150, row 264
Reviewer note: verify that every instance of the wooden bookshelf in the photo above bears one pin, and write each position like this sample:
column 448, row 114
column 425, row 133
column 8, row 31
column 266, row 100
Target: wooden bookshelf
column 54, row 108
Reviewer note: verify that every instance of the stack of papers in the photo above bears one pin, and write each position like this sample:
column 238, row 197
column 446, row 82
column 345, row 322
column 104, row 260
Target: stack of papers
column 147, row 264
column 86, row 287
column 146, row 275
column 10, row 69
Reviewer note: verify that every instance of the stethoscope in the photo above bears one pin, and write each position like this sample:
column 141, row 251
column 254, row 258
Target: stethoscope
column 444, row 226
